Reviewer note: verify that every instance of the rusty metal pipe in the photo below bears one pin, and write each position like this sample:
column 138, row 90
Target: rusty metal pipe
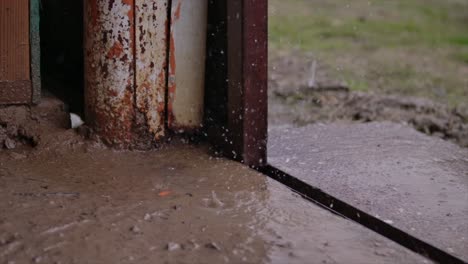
column 125, row 70
column 109, row 69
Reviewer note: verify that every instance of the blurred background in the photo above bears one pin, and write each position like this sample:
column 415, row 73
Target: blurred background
column 359, row 61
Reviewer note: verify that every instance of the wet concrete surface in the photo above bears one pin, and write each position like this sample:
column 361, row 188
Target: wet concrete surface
column 415, row 182
column 71, row 201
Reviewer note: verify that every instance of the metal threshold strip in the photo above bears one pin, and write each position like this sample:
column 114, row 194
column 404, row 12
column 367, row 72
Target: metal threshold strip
column 350, row 212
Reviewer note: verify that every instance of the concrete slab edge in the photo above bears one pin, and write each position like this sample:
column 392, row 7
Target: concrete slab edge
column 354, row 214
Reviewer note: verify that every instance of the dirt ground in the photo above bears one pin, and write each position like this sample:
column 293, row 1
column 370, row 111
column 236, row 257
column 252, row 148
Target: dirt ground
column 295, row 99
column 26, row 127
column 70, row 200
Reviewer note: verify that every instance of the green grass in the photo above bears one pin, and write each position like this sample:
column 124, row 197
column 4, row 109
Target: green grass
column 411, row 47
column 462, row 57
column 357, row 85
column 461, row 40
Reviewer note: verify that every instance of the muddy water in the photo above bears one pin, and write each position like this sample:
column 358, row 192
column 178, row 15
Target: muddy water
column 74, row 202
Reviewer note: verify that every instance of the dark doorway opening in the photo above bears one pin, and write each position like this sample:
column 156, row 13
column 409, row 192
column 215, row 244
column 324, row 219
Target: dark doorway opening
column 61, row 31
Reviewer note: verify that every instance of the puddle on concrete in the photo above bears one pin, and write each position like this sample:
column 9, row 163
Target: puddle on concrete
column 77, row 203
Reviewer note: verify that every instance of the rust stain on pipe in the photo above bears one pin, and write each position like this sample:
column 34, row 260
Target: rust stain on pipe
column 171, row 84
column 151, row 51
column 109, row 69
column 126, row 56
column 172, row 68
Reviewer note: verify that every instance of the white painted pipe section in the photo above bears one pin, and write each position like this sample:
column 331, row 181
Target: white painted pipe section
column 187, row 64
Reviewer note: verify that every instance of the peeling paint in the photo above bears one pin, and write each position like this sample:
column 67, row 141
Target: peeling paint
column 126, row 56
column 187, row 65
column 151, row 54
column 109, row 70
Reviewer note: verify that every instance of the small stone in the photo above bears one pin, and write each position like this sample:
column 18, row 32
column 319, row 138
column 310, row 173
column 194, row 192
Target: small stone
column 380, row 253
column 136, row 230
column 75, row 120
column 147, row 217
column 171, row 246
column 12, row 130
column 285, row 245
column 17, row 156
column 9, row 143
column 213, row 245
column 192, row 245
column 388, row 221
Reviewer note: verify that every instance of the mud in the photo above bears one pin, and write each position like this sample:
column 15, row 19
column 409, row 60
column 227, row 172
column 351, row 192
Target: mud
column 297, row 98
column 73, row 201
column 27, row 126
column 414, row 182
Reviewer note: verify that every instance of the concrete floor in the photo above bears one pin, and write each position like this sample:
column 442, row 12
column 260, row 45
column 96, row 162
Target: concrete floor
column 412, row 181
column 70, row 201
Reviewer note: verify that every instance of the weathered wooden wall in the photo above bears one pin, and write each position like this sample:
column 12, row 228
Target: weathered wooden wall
column 15, row 78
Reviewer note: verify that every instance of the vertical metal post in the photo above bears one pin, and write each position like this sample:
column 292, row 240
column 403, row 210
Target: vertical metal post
column 125, row 70
column 109, row 69
column 125, row 74
column 247, row 73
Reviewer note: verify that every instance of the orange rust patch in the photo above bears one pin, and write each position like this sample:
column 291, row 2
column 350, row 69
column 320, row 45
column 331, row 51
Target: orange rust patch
column 177, row 12
column 115, row 51
column 93, row 11
column 146, row 85
column 113, row 93
column 162, row 75
column 131, row 3
column 162, row 83
column 164, row 193
column 172, row 58
column 172, row 85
